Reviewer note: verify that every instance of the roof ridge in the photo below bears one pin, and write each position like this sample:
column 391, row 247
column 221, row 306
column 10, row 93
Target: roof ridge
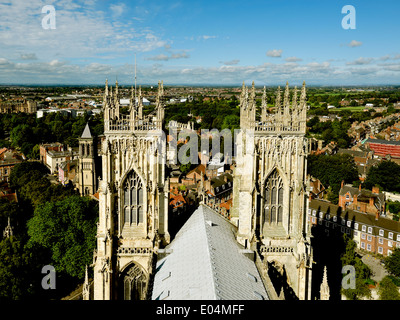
column 207, row 232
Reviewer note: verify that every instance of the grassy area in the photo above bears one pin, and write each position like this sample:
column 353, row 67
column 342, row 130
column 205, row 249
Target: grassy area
column 352, row 109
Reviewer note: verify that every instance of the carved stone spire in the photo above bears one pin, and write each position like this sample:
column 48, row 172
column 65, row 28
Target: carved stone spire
column 286, row 96
column 264, row 106
column 324, row 290
column 105, row 106
column 244, row 107
column 295, row 111
column 86, row 286
column 303, row 107
column 159, row 101
column 278, row 107
column 8, row 231
column 242, row 93
column 294, row 99
column 303, row 95
column 253, row 96
column 140, row 103
column 106, row 88
column 286, row 105
column 116, row 99
column 116, row 89
column 278, row 99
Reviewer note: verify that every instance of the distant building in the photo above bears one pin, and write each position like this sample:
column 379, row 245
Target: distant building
column 8, row 159
column 87, row 163
column 67, row 172
column 384, row 147
column 362, row 200
column 219, row 191
column 317, row 190
column 43, row 148
column 55, row 158
column 26, row 106
column 372, row 233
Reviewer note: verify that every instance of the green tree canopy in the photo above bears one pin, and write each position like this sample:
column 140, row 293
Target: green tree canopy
column 332, row 170
column 386, row 175
column 387, row 290
column 392, row 263
column 14, row 269
column 68, row 229
column 363, row 272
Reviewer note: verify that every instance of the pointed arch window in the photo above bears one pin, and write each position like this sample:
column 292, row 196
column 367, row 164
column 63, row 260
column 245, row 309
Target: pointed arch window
column 133, row 199
column 134, row 283
column 273, row 199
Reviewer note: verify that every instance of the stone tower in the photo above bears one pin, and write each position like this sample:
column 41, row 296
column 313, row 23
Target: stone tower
column 86, row 164
column 270, row 202
column 133, row 199
column 324, row 289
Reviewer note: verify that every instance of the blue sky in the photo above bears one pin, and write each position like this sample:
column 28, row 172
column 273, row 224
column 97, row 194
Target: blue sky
column 200, row 42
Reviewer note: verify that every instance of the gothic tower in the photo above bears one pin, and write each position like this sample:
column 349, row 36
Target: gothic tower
column 270, row 187
column 133, row 200
column 86, row 164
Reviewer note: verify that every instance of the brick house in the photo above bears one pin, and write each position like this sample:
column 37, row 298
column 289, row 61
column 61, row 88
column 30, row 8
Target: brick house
column 358, row 199
column 372, row 233
column 8, row 159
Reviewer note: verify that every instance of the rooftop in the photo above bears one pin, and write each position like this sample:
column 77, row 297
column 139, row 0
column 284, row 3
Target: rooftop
column 205, row 262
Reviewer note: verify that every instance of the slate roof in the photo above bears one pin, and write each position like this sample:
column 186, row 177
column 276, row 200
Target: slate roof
column 86, row 133
column 361, row 195
column 205, row 262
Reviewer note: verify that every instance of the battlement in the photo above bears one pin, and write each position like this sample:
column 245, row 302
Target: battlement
column 134, row 121
column 124, row 124
column 289, row 117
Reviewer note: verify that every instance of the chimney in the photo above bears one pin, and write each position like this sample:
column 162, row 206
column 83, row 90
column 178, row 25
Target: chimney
column 342, row 184
column 359, row 187
column 375, row 190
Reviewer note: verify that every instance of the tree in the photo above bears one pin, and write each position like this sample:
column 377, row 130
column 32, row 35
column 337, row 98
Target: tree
column 362, row 271
column 26, row 171
column 67, row 228
column 386, row 176
column 387, row 290
column 231, row 122
column 392, row 263
column 332, row 170
column 14, row 269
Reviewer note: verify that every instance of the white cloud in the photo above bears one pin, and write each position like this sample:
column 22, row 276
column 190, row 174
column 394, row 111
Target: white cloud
column 318, row 73
column 206, row 37
column 117, row 9
column 293, row 59
column 81, row 31
column 274, row 53
column 360, row 61
column 231, row 62
column 355, row 43
column 164, row 57
column 28, row 56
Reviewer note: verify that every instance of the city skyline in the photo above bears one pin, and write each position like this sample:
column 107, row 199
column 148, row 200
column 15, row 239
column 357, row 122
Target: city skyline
column 199, row 43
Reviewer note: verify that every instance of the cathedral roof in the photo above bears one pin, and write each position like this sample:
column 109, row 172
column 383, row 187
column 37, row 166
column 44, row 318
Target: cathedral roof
column 205, row 262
